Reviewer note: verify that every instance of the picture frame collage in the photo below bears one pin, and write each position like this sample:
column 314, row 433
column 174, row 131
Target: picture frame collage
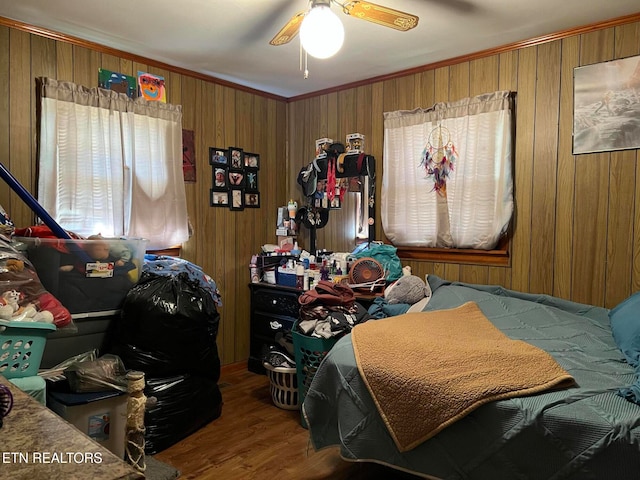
column 234, row 178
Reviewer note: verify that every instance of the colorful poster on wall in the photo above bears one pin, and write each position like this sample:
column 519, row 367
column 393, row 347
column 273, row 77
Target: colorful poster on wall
column 151, row 87
column 118, row 82
column 188, row 156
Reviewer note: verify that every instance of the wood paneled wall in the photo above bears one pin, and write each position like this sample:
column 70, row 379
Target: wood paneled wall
column 223, row 241
column 577, row 217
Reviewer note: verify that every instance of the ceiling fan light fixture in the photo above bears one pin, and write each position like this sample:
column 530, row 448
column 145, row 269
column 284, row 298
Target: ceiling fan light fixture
column 321, row 32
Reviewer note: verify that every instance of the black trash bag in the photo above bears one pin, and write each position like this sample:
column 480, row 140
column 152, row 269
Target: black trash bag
column 183, row 405
column 168, row 326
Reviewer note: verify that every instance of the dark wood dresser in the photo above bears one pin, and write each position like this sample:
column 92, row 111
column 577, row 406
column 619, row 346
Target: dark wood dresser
column 274, row 309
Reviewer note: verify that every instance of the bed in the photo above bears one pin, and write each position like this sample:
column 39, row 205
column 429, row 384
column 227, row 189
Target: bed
column 585, row 429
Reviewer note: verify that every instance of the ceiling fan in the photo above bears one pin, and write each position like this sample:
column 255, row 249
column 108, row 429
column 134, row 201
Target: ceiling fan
column 371, row 12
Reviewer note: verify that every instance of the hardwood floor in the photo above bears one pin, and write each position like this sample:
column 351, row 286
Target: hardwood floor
column 254, row 440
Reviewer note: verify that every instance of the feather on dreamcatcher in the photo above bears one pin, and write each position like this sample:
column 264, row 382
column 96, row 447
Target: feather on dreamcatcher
column 438, row 158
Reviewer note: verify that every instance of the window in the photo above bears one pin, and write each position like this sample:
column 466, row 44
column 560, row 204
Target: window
column 447, row 180
column 111, row 165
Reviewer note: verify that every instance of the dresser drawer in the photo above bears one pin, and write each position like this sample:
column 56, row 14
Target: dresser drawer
column 266, row 300
column 267, row 326
column 274, row 310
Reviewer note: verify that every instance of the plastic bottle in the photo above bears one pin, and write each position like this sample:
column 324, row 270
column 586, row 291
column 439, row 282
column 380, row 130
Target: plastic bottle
column 253, row 269
column 324, row 271
column 299, row 276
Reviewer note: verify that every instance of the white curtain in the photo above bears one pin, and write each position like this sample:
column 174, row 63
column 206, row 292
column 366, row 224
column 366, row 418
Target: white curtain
column 111, row 165
column 447, row 176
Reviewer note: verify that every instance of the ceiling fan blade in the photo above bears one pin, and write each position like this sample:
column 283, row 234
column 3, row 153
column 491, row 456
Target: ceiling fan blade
column 385, row 16
column 289, row 31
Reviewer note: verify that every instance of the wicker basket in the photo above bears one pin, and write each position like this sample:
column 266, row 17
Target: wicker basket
column 21, row 347
column 283, row 386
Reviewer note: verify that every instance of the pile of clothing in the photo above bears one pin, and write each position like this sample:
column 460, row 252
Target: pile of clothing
column 330, row 310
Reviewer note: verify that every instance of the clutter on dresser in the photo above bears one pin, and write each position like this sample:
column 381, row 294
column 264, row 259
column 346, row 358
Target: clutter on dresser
column 298, row 268
column 286, row 224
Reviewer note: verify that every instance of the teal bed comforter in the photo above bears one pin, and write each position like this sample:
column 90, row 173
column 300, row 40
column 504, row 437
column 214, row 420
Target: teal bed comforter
column 580, row 433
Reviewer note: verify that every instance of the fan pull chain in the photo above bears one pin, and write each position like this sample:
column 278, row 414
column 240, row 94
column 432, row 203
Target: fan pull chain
column 306, row 68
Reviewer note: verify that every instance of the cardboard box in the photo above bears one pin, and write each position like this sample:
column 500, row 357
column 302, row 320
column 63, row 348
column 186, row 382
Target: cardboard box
column 285, row 240
column 321, row 145
column 355, row 143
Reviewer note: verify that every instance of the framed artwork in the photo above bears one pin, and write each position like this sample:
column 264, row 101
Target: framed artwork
column 188, row 156
column 234, row 178
column 605, row 96
column 251, row 160
column 220, row 179
column 236, row 157
column 219, row 199
column 251, row 199
column 118, row 82
column 151, row 87
column 236, row 199
column 217, row 156
column 251, row 179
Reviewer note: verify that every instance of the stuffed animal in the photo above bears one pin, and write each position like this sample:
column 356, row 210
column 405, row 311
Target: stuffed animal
column 10, row 309
column 407, row 289
column 22, row 295
column 12, row 265
column 121, row 252
column 97, row 249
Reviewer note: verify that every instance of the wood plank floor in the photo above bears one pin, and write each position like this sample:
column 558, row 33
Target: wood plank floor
column 254, row 440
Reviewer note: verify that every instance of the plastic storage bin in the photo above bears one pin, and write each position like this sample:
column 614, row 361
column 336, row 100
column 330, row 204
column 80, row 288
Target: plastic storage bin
column 309, row 353
column 283, row 386
column 21, row 347
column 101, row 415
column 87, row 276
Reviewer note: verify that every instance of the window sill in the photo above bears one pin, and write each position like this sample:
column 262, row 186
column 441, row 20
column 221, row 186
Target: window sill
column 499, row 257
column 171, row 252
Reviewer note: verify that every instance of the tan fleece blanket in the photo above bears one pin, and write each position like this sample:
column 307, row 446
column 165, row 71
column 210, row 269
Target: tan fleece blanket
column 426, row 370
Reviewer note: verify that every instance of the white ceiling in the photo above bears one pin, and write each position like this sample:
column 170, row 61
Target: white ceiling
column 229, row 39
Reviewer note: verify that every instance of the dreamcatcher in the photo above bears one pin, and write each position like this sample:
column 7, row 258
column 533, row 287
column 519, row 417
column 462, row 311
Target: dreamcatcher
column 438, row 158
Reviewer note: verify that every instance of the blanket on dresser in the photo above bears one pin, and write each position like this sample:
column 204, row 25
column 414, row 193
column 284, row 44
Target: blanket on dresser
column 427, row 370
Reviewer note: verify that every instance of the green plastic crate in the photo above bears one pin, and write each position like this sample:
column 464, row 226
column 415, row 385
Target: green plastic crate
column 309, row 353
column 21, row 347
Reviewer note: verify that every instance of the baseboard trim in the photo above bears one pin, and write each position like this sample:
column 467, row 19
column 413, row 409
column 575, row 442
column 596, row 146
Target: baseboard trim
column 233, row 367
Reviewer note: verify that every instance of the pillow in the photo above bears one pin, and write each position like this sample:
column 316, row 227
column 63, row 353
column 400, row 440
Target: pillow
column 625, row 326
